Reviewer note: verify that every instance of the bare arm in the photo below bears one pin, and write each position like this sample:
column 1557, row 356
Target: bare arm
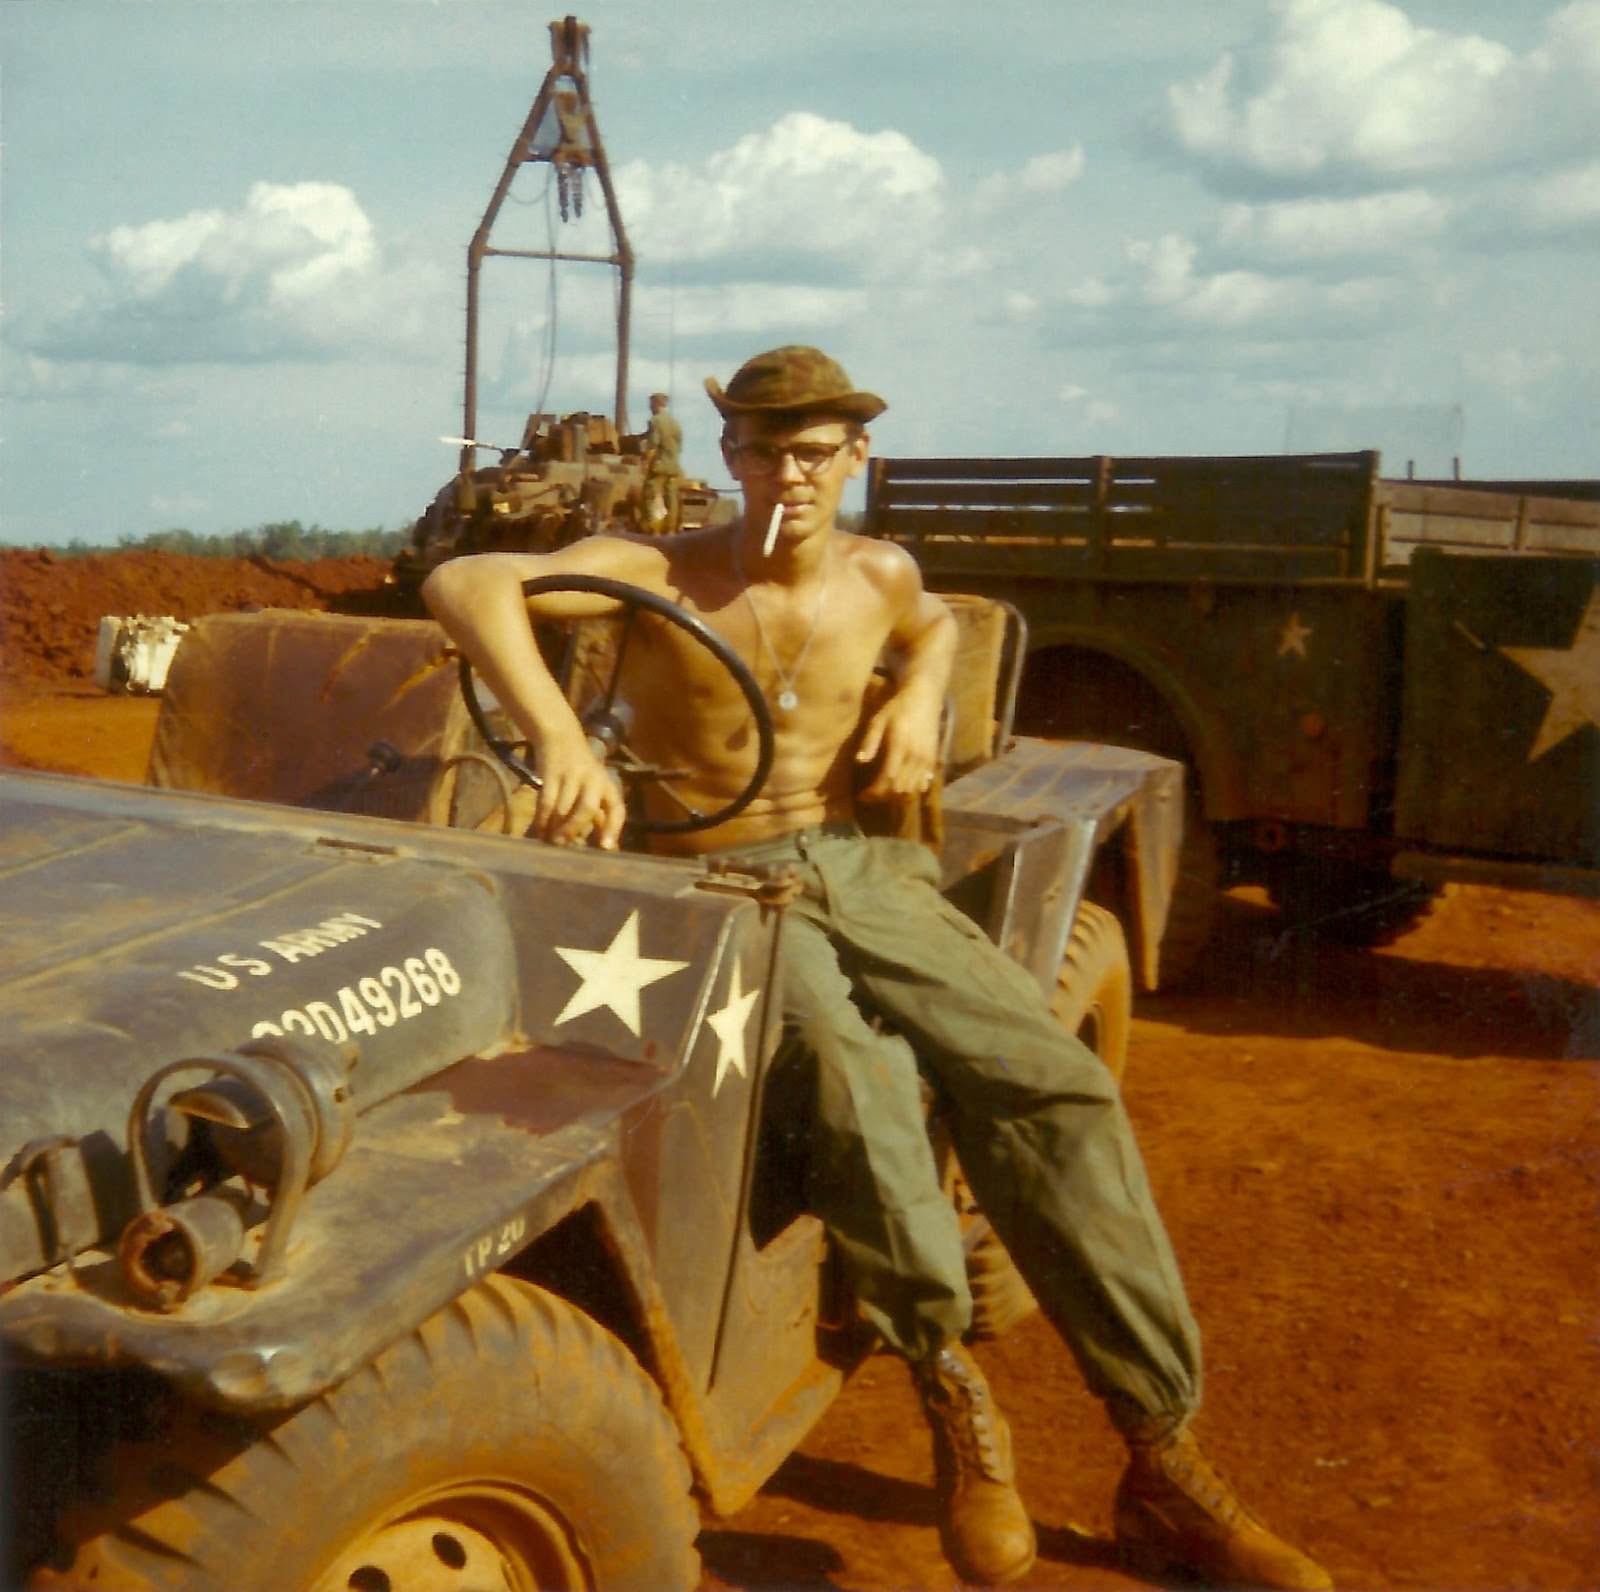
column 905, row 730
column 479, row 602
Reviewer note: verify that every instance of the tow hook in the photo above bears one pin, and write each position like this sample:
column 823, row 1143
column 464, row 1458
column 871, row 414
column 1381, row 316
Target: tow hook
column 39, row 1163
column 278, row 1114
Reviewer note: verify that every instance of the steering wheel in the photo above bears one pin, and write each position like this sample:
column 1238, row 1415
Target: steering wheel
column 607, row 729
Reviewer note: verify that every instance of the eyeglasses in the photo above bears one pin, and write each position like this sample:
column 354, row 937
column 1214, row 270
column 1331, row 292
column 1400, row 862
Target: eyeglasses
column 766, row 458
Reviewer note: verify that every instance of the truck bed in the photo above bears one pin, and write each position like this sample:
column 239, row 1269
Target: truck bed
column 1292, row 519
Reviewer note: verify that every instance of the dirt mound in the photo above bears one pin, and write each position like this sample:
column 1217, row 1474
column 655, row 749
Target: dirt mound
column 51, row 605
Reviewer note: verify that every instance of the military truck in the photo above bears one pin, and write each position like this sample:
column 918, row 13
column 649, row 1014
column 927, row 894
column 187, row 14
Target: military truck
column 1375, row 685
column 570, row 474
column 390, row 1200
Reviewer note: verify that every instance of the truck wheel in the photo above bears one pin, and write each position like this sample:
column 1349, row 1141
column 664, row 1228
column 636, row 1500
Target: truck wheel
column 1193, row 913
column 1094, row 1002
column 508, row 1442
column 1350, row 905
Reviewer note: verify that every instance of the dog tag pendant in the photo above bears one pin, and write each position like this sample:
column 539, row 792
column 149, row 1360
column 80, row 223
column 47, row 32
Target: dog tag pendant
column 788, row 701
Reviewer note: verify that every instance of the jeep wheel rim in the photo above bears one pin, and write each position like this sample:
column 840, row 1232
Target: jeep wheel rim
column 471, row 1537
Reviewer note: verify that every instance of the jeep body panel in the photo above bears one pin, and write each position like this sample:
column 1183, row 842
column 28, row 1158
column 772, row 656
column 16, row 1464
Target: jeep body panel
column 482, row 1115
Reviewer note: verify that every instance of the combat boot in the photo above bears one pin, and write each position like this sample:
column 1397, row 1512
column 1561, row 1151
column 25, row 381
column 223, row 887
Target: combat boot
column 983, row 1527
column 1173, row 1511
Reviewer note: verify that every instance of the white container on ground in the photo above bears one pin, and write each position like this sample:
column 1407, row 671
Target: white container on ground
column 134, row 651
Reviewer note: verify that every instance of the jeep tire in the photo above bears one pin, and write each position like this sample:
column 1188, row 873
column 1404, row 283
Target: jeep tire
column 507, row 1441
column 1094, row 1002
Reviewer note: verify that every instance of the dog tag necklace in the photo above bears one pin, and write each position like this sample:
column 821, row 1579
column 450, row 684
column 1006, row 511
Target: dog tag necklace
column 788, row 698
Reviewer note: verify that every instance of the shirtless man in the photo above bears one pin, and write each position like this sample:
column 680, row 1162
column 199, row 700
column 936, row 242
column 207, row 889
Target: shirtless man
column 1037, row 1121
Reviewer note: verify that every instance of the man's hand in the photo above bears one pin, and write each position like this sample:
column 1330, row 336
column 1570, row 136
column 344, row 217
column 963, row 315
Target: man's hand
column 579, row 800
column 906, row 731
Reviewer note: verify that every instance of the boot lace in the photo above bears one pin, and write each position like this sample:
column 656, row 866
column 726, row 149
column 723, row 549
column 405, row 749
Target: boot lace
column 1187, row 1469
column 964, row 1414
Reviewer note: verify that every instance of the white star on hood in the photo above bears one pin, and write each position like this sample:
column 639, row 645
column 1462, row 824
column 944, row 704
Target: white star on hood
column 729, row 1026
column 615, row 976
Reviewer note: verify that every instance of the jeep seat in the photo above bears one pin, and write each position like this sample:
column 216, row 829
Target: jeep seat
column 329, row 711
column 352, row 714
column 990, row 641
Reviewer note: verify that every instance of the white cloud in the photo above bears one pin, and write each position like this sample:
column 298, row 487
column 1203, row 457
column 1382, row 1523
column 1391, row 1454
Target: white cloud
column 1039, row 177
column 31, row 376
column 1523, row 379
column 1163, row 285
column 1515, row 370
column 1312, row 230
column 1239, row 299
column 586, row 335
column 1353, row 91
column 293, row 240
column 806, row 191
column 1089, row 294
column 1052, row 172
column 293, row 273
column 1087, row 408
column 586, row 379
column 1564, row 201
column 755, row 306
column 1165, row 267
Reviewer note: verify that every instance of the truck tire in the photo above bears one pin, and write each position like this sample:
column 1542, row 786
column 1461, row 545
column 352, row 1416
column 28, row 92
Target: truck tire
column 1080, row 694
column 1192, row 916
column 1094, row 1002
column 1347, row 904
column 509, row 1441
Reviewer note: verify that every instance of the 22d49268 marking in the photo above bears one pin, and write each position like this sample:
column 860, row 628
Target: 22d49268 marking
column 394, row 994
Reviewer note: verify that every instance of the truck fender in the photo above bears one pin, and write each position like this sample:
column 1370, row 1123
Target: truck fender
column 1201, row 720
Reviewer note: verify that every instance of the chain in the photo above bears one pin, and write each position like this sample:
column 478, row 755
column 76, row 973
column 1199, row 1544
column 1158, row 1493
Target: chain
column 788, row 698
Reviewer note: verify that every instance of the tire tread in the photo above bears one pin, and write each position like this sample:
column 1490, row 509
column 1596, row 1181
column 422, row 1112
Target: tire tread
column 199, row 1528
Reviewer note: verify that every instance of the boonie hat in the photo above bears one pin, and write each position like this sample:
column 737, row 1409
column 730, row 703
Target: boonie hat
column 791, row 380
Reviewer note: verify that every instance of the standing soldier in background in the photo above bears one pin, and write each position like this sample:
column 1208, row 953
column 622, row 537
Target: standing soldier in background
column 663, row 443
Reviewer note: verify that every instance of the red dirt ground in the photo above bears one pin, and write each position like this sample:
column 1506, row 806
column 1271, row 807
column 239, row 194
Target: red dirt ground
column 1381, row 1170
column 50, row 605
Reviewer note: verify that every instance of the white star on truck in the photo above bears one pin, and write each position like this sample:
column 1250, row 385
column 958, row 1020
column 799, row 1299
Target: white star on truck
column 1572, row 677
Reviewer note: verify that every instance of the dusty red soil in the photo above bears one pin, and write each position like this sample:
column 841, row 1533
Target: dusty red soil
column 51, row 605
column 1381, row 1170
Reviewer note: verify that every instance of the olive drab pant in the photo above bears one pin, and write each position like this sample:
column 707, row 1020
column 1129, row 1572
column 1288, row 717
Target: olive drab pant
column 1036, row 1120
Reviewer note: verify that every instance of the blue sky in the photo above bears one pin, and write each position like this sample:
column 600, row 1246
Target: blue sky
column 232, row 234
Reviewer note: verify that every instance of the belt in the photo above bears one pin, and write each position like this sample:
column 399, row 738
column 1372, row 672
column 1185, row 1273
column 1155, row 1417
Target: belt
column 796, row 843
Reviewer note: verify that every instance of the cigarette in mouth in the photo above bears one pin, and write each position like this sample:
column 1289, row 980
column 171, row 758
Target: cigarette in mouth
column 772, row 530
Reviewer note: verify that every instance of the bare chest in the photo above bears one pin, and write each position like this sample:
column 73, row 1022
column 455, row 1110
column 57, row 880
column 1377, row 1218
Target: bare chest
column 811, row 657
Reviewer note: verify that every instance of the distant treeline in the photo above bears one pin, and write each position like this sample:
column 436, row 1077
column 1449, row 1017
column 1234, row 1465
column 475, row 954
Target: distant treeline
column 283, row 541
